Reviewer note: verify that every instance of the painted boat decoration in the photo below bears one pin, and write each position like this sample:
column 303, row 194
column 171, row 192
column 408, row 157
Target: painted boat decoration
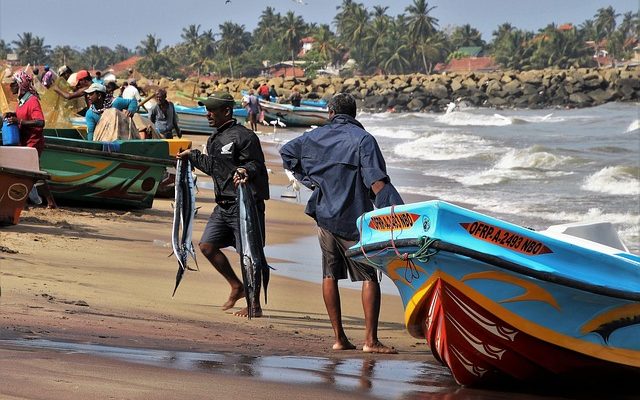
column 495, row 300
column 295, row 116
column 121, row 174
column 19, row 171
column 194, row 119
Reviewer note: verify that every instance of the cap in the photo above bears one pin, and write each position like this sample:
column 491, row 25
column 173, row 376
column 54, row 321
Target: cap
column 82, row 74
column 217, row 100
column 96, row 87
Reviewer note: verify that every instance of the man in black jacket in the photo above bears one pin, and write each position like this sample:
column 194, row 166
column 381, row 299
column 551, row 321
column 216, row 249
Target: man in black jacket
column 234, row 155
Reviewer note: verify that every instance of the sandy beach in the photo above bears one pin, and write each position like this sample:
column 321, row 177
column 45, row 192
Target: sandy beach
column 104, row 277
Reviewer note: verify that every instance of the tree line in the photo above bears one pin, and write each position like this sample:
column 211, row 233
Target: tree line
column 378, row 43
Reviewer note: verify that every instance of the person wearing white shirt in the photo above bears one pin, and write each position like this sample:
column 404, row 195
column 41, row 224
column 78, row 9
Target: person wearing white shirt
column 131, row 91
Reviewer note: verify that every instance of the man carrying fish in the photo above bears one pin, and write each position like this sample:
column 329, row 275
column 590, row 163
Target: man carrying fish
column 343, row 165
column 234, row 156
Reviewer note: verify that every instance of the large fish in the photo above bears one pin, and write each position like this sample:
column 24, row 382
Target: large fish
column 184, row 211
column 255, row 270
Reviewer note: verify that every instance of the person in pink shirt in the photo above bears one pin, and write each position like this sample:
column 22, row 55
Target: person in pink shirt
column 28, row 115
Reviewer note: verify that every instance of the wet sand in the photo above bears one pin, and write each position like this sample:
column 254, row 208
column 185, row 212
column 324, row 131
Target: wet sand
column 97, row 276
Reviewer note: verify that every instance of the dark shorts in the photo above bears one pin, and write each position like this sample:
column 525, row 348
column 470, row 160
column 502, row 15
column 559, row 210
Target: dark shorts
column 336, row 265
column 223, row 228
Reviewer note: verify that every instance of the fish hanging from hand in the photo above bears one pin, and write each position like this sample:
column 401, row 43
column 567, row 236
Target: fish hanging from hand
column 255, row 270
column 184, row 212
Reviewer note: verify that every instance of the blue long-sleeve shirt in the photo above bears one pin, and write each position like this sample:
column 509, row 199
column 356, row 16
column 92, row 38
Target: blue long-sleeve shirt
column 92, row 117
column 340, row 162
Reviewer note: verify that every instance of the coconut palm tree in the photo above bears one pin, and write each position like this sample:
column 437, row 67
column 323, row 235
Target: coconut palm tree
column 234, row 40
column 293, row 30
column 421, row 24
column 31, row 49
column 326, row 44
column 5, row 49
column 98, row 57
column 466, row 35
column 606, row 21
column 65, row 55
column 268, row 27
column 149, row 45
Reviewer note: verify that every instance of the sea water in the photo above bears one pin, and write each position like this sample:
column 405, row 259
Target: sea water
column 530, row 167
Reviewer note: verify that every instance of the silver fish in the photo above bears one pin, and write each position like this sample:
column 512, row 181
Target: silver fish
column 255, row 270
column 184, row 210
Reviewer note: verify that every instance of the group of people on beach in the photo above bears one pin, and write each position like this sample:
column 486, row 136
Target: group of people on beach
column 340, row 162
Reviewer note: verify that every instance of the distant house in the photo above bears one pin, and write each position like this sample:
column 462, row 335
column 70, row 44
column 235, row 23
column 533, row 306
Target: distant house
column 468, row 64
column 470, row 51
column 286, row 68
column 307, row 45
column 12, row 59
column 124, row 65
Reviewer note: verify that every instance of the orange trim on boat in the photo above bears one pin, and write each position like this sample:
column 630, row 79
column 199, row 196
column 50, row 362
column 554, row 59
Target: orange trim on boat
column 413, row 320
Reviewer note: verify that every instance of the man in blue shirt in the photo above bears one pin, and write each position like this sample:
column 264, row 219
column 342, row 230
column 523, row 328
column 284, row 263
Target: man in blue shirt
column 343, row 165
column 96, row 94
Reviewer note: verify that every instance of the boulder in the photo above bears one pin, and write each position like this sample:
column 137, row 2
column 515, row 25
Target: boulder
column 580, row 99
column 415, row 105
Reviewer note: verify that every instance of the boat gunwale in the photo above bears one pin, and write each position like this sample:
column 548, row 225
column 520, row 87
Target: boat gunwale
column 498, row 262
column 25, row 173
column 111, row 154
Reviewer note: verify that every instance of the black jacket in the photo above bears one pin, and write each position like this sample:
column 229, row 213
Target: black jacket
column 228, row 149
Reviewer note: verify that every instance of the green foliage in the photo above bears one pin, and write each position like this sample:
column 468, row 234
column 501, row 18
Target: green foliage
column 374, row 40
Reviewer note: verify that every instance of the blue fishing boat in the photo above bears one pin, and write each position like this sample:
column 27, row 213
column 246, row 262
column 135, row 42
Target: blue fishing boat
column 194, row 119
column 498, row 301
column 295, row 116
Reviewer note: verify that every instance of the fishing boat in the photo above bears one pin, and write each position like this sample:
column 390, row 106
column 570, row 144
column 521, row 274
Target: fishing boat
column 121, row 174
column 497, row 302
column 194, row 119
column 19, row 171
column 295, row 116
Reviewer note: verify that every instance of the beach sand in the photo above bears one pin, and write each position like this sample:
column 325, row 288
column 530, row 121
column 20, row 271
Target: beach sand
column 105, row 277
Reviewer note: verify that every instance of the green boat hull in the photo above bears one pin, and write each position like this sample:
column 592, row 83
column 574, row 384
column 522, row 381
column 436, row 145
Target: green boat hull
column 120, row 174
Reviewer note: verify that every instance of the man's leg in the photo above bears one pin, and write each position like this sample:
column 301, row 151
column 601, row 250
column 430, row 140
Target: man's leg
column 371, row 306
column 331, row 297
column 221, row 264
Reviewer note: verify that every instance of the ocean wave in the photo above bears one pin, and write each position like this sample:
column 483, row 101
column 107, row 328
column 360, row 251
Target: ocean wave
column 461, row 118
column 393, row 133
column 444, row 146
column 531, row 157
column 633, row 127
column 617, row 180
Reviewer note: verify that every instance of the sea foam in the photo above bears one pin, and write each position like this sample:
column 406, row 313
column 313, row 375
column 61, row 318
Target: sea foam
column 617, row 180
column 444, row 146
column 634, row 126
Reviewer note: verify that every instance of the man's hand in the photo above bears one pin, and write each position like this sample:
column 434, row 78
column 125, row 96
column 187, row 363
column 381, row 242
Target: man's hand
column 185, row 154
column 240, row 176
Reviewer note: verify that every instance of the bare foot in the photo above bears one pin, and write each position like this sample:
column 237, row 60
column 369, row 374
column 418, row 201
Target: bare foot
column 235, row 295
column 257, row 312
column 379, row 348
column 343, row 345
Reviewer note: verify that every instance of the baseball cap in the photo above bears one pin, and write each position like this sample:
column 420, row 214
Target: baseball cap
column 96, row 87
column 64, row 69
column 217, row 100
column 82, row 74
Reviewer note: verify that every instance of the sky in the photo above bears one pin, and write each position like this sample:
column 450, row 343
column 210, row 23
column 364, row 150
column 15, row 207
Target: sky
column 127, row 22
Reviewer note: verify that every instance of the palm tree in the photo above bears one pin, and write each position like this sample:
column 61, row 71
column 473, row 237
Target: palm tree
column 466, row 35
column 293, row 30
column 606, row 21
column 5, row 49
column 121, row 52
column 421, row 24
column 98, row 57
column 234, row 40
column 325, row 44
column 65, row 55
column 345, row 10
column 502, row 30
column 31, row 49
column 150, row 45
column 268, row 27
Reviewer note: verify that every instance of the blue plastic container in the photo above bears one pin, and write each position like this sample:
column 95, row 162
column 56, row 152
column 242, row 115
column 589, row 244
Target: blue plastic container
column 10, row 134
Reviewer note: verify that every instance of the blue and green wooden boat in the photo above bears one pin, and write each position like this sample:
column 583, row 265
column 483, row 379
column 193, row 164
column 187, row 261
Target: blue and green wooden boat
column 119, row 174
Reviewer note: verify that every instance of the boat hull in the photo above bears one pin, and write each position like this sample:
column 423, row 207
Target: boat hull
column 122, row 174
column 19, row 171
column 295, row 116
column 495, row 301
column 194, row 119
